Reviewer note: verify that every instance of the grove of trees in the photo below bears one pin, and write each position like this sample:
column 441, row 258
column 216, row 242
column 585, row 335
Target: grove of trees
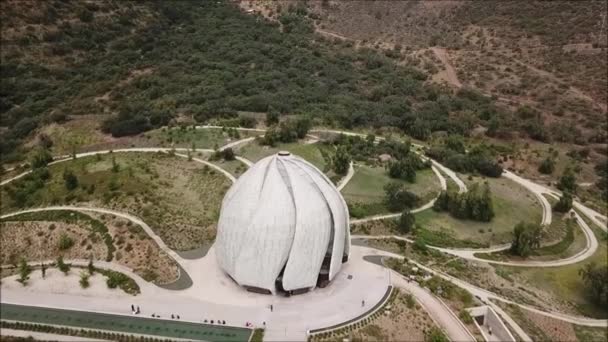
column 478, row 159
column 595, row 278
column 475, row 204
column 209, row 60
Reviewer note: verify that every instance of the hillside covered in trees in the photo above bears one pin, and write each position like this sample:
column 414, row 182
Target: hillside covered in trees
column 142, row 64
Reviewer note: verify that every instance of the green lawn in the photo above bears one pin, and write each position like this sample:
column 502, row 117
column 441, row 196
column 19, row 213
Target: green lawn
column 366, row 188
column 512, row 204
column 310, row 152
column 123, row 324
column 202, row 138
column 564, row 282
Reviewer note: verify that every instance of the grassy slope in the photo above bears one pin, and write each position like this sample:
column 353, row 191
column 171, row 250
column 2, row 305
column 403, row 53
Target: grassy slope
column 564, row 282
column 367, row 187
column 310, row 152
column 202, row 138
column 179, row 199
column 512, row 204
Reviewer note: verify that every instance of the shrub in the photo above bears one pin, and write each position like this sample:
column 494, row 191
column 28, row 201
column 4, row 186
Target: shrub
column 62, row 266
column 71, row 181
column 84, row 279
column 24, row 272
column 547, row 166
column 65, row 242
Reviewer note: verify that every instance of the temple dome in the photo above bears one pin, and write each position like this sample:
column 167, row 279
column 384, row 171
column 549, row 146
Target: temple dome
column 282, row 224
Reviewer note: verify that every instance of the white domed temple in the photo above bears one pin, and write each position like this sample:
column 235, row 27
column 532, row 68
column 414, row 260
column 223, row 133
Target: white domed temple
column 283, row 227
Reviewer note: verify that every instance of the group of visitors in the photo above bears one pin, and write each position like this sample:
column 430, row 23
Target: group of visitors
column 135, row 310
column 213, row 322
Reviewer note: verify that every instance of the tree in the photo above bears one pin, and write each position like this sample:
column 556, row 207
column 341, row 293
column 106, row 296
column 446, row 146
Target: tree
column 24, row 272
column 402, row 169
column 406, row 222
column 565, row 203
column 486, row 206
column 228, row 154
column 596, row 278
column 567, row 182
column 62, row 266
column 41, row 159
column 272, row 117
column 442, row 201
column 302, row 126
column 547, row 166
column 398, row 198
column 71, row 181
column 526, row 238
column 341, row 161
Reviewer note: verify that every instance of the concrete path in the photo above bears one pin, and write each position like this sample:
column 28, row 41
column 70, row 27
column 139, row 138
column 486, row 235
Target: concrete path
column 215, row 296
column 438, row 311
column 469, row 253
column 537, row 190
column 237, row 143
column 344, row 181
column 453, row 176
column 505, row 316
column 426, row 206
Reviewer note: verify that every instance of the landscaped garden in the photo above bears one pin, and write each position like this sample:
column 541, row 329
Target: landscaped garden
column 179, row 199
column 512, row 203
column 46, row 235
column 312, row 153
column 564, row 283
column 366, row 196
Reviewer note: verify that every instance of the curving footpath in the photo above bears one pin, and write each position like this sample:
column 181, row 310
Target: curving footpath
column 344, row 181
column 438, row 311
column 139, row 150
column 426, row 206
column 462, row 187
column 469, row 254
column 537, row 190
column 485, row 296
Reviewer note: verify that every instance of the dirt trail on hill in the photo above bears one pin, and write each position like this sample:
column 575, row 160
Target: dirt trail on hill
column 332, row 34
column 449, row 74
